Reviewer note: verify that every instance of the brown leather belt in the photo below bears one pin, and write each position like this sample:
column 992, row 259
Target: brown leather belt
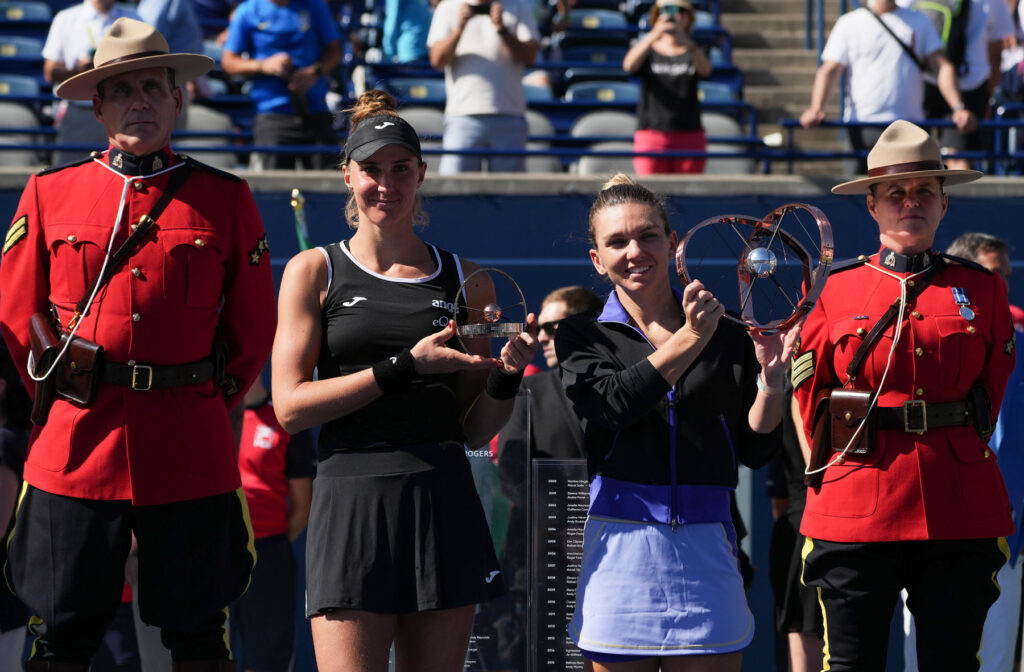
column 916, row 415
column 142, row 377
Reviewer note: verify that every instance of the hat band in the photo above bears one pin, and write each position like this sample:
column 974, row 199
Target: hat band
column 132, row 57
column 912, row 167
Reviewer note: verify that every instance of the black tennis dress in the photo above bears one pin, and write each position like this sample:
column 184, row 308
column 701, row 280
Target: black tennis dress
column 396, row 524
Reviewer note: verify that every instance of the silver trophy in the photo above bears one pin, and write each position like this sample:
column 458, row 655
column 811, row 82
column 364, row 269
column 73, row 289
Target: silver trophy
column 501, row 318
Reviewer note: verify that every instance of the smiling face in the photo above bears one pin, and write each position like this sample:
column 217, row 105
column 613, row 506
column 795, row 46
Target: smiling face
column 632, row 248
column 385, row 184
column 138, row 109
column 908, row 212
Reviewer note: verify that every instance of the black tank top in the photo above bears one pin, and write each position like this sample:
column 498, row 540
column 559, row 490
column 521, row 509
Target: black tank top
column 668, row 93
column 368, row 317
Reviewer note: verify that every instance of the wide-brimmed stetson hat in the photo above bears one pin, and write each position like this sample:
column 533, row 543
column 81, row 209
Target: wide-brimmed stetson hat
column 904, row 150
column 132, row 45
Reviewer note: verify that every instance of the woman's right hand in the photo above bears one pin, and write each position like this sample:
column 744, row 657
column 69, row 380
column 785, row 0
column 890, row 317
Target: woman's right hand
column 431, row 355
column 702, row 310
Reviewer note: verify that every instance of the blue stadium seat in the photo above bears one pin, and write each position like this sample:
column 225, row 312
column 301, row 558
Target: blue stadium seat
column 420, row 90
column 602, row 92
column 716, row 92
column 595, row 55
column 25, row 17
column 16, row 86
column 22, row 56
column 596, row 19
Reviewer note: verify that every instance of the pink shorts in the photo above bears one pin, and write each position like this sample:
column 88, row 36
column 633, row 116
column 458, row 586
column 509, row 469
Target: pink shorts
column 654, row 141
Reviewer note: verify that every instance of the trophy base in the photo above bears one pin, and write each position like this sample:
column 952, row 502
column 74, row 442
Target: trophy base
column 488, row 330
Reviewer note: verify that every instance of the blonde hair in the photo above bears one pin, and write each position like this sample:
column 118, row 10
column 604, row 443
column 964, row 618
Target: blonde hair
column 375, row 103
column 621, row 189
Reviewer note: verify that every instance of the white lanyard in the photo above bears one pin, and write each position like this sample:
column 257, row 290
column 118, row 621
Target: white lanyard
column 76, row 320
column 888, row 364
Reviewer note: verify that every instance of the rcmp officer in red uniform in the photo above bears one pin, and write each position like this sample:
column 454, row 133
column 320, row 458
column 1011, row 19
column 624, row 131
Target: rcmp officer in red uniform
column 185, row 318
column 909, row 495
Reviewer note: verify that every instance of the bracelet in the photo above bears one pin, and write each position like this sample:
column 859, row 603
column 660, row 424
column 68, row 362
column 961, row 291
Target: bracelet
column 767, row 389
column 960, row 106
column 395, row 373
column 503, row 386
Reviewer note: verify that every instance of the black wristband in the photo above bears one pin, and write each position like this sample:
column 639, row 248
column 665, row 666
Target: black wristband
column 395, row 373
column 503, row 385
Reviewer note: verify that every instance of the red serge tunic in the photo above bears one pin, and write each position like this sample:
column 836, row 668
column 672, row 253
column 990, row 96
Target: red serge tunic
column 202, row 274
column 940, row 484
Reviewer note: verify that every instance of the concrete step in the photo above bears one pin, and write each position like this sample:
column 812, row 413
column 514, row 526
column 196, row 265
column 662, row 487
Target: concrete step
column 783, row 75
column 767, row 24
column 775, row 7
column 751, row 59
column 789, row 38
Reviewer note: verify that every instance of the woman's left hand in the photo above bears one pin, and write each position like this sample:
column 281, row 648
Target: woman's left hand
column 774, row 352
column 521, row 348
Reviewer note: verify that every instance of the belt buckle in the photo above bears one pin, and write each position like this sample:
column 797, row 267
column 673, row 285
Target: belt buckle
column 918, row 422
column 137, row 373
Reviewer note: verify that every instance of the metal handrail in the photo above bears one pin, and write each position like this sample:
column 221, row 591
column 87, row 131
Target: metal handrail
column 999, row 127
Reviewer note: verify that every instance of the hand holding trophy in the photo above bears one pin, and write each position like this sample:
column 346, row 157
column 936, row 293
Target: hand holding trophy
column 767, row 272
column 504, row 317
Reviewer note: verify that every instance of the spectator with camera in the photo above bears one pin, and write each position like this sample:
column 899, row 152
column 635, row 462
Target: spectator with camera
column 483, row 48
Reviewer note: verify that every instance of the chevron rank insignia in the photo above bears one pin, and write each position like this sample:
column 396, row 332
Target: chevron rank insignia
column 803, row 368
column 18, row 230
column 262, row 247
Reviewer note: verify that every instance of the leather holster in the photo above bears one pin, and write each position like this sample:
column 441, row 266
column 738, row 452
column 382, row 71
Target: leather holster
column 78, row 375
column 821, row 436
column 847, row 409
column 44, row 344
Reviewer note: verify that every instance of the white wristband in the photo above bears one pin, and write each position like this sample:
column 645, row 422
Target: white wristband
column 770, row 391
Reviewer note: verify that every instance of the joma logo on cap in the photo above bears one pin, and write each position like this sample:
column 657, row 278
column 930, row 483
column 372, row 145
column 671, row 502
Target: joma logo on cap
column 384, row 125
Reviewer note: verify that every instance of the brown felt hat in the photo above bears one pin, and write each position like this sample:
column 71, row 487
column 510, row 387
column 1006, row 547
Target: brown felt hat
column 132, row 45
column 904, row 150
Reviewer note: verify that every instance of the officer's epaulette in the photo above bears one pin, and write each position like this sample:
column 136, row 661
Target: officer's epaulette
column 216, row 171
column 950, row 259
column 54, row 169
column 847, row 264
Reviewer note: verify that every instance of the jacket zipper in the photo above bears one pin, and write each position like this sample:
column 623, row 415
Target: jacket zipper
column 673, row 399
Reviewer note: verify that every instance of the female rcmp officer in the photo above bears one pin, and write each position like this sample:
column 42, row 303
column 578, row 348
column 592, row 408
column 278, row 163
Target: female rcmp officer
column 930, row 338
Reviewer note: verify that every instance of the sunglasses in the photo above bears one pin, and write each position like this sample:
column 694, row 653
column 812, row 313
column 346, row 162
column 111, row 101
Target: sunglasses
column 549, row 327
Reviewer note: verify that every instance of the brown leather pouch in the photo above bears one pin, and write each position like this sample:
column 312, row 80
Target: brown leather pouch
column 821, row 435
column 78, row 376
column 847, row 408
column 44, row 344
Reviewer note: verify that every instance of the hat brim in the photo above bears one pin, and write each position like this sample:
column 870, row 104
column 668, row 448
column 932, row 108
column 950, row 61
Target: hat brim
column 863, row 185
column 186, row 68
column 366, row 150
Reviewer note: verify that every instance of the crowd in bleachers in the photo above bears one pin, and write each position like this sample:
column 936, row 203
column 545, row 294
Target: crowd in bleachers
column 581, row 103
column 579, row 97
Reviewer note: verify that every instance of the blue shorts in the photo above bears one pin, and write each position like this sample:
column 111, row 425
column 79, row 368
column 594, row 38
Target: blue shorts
column 264, row 617
column 644, row 590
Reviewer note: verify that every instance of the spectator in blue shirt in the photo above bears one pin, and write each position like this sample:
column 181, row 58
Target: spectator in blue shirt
column 406, row 23
column 287, row 47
